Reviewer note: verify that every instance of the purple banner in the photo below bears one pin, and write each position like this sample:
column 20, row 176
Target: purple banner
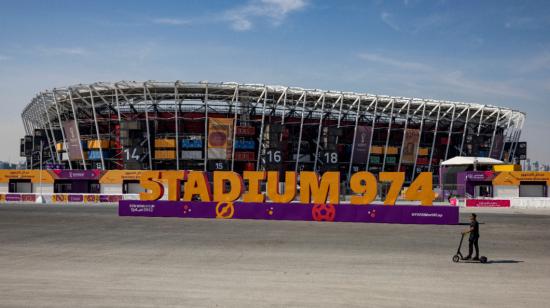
column 362, row 141
column 78, row 174
column 13, row 197
column 73, row 140
column 75, row 198
column 399, row 214
column 498, row 143
column 18, row 198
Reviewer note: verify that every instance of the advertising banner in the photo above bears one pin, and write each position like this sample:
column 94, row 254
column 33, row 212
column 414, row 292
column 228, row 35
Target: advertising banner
column 73, row 142
column 498, row 143
column 410, row 145
column 362, row 142
column 17, row 197
column 514, row 178
column 35, row 176
column 78, row 174
column 487, row 203
column 220, row 138
column 85, row 198
column 400, row 214
column 119, row 176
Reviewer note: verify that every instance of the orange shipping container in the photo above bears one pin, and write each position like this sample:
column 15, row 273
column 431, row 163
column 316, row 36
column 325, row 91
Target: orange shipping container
column 423, row 152
column 165, row 154
column 392, row 150
column 98, row 144
column 165, row 143
column 377, row 150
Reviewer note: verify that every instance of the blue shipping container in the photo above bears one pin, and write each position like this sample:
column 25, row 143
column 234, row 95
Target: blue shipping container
column 191, row 143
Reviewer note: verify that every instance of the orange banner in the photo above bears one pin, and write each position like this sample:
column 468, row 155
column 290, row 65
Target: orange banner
column 514, row 178
column 33, row 175
column 119, row 176
column 220, row 138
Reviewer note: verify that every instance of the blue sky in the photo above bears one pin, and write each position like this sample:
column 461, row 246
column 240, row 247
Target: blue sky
column 490, row 52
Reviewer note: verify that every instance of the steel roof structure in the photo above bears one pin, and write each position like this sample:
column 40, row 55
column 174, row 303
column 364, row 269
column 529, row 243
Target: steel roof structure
column 88, row 102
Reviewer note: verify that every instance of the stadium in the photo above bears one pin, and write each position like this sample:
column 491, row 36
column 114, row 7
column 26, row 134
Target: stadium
column 230, row 126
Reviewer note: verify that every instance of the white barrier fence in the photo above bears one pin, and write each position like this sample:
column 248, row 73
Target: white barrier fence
column 513, row 202
column 66, row 198
column 530, row 203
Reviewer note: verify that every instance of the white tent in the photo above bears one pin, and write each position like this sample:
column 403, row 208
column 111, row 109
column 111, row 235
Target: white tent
column 466, row 160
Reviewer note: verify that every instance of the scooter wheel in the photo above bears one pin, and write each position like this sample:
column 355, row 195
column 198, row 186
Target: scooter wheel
column 456, row 258
column 483, row 259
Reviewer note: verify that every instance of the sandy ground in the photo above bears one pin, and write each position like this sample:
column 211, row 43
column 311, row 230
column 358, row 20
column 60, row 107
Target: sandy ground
column 76, row 256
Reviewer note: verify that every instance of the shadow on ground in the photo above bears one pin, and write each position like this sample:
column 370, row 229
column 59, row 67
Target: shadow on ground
column 503, row 261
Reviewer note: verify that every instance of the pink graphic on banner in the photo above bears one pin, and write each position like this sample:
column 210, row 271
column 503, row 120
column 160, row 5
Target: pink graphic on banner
column 487, row 203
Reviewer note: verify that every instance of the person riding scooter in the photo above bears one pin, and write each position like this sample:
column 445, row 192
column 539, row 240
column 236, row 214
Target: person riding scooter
column 474, row 237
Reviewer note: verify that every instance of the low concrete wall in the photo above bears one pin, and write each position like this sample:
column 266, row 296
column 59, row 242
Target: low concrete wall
column 531, row 203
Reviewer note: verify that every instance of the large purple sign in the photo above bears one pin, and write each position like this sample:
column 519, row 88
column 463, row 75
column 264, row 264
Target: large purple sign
column 78, row 174
column 400, row 214
column 73, row 140
column 362, row 142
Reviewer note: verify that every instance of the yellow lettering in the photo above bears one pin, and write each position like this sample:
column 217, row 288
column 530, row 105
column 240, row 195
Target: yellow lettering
column 235, row 186
column 254, row 178
column 363, row 183
column 421, row 189
column 318, row 191
column 273, row 192
column 397, row 179
column 154, row 189
column 197, row 184
column 173, row 179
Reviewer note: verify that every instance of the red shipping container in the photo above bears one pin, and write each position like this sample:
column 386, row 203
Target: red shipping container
column 422, row 161
column 244, row 156
column 246, row 131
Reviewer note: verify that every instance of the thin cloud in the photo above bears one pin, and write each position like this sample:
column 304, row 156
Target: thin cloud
column 457, row 79
column 171, row 21
column 540, row 62
column 388, row 19
column 397, row 63
column 413, row 74
column 61, row 51
column 4, row 58
column 521, row 23
column 275, row 11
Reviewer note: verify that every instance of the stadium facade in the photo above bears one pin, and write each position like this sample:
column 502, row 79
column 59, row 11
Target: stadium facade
column 230, row 126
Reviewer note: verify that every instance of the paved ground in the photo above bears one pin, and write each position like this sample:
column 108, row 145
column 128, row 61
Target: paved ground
column 75, row 256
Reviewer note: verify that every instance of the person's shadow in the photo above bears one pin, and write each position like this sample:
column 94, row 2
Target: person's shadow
column 503, row 261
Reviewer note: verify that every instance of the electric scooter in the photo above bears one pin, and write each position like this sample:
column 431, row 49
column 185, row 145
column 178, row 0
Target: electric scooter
column 459, row 257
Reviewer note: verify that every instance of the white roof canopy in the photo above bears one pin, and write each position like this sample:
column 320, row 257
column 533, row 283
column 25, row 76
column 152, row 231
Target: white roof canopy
column 466, row 160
